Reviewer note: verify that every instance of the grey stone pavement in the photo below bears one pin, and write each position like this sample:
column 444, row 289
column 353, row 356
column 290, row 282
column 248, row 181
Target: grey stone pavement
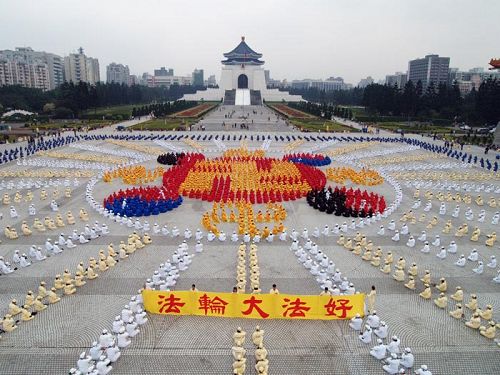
column 255, row 118
column 52, row 342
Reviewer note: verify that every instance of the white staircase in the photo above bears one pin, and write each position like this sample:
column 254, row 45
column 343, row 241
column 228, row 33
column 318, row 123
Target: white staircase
column 242, row 97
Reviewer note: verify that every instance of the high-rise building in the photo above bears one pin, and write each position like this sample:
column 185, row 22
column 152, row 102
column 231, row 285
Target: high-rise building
column 25, row 58
column 162, row 72
column 133, row 80
column 365, row 82
column 211, row 80
column 267, row 76
column 118, row 73
column 431, row 68
column 198, row 79
column 398, row 79
column 80, row 68
column 33, row 75
column 145, row 78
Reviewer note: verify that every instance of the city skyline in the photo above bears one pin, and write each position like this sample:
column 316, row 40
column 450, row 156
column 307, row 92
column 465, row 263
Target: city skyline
column 292, row 46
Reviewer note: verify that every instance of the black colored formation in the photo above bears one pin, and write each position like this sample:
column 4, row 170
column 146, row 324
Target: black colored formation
column 170, row 158
column 334, row 204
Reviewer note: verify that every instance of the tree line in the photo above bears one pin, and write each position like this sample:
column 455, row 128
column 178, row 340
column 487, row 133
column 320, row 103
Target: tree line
column 70, row 99
column 162, row 109
column 322, row 110
column 352, row 96
column 441, row 101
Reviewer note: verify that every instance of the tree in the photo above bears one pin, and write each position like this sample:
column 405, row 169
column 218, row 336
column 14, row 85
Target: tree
column 49, row 108
column 409, row 99
column 63, row 113
column 488, row 101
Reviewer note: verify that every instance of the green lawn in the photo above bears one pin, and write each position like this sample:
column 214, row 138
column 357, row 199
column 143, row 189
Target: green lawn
column 357, row 111
column 315, row 125
column 164, row 124
column 415, row 128
column 115, row 110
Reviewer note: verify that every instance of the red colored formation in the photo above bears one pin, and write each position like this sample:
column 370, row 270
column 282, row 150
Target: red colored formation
column 176, row 175
column 314, row 177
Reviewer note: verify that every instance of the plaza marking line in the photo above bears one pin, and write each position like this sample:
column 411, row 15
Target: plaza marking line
column 253, row 306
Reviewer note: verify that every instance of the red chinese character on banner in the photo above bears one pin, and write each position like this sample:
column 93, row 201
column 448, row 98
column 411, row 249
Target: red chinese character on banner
column 170, row 304
column 253, row 304
column 296, row 308
column 216, row 305
column 332, row 305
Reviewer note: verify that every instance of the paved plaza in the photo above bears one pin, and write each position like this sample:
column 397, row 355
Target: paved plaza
column 52, row 342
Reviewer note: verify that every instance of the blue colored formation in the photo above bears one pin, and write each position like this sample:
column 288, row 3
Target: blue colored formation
column 136, row 206
column 313, row 162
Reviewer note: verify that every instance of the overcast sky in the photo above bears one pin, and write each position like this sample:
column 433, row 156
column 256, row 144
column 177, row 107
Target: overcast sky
column 298, row 38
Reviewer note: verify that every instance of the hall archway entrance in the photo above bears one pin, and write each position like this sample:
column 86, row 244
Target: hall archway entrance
column 243, row 81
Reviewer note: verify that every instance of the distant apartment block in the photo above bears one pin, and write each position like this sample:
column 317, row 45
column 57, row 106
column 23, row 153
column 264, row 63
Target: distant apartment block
column 80, row 68
column 29, row 68
column 431, row 68
column 118, row 73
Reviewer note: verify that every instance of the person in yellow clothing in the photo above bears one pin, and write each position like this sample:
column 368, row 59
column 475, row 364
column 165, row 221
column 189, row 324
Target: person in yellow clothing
column 8, row 323
column 26, row 315
column 371, row 296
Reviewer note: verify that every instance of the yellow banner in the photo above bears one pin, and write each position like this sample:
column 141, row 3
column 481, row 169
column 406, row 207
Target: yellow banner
column 254, row 306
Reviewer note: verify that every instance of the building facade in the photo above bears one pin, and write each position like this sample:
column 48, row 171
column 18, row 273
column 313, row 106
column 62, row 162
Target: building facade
column 80, row 68
column 431, row 68
column 167, row 81
column 32, row 75
column 24, row 66
column 398, row 79
column 330, row 84
column 242, row 80
column 163, row 72
column 118, row 73
column 365, row 82
column 470, row 79
column 211, row 80
column 198, row 78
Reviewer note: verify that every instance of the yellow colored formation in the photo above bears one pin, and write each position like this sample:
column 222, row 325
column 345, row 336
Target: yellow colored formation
column 367, row 177
column 83, row 157
column 243, row 152
column 244, row 144
column 448, row 176
column 134, row 174
column 457, row 197
column 46, row 173
column 194, row 144
column 246, row 218
column 293, row 145
column 137, row 147
column 405, row 159
column 245, row 176
column 349, row 148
